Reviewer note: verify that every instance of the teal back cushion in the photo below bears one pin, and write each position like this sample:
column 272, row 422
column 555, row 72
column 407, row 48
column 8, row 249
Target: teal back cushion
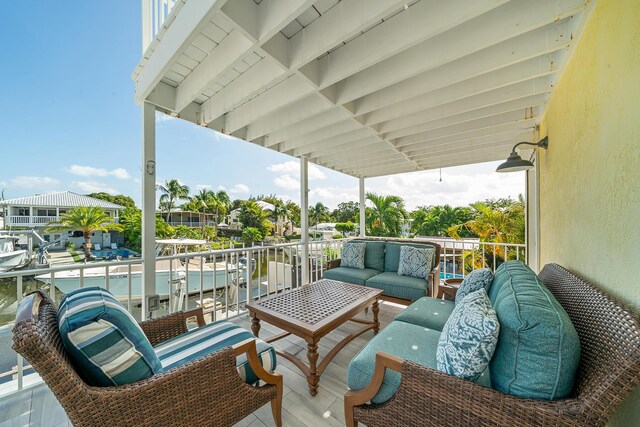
column 392, row 255
column 373, row 254
column 106, row 345
column 538, row 348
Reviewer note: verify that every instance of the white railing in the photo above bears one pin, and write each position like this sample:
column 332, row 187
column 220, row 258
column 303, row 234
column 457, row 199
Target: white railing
column 220, row 281
column 32, row 220
column 154, row 15
column 460, row 256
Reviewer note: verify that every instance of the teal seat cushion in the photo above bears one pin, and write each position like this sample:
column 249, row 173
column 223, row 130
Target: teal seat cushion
column 392, row 255
column 538, row 348
column 373, row 254
column 350, row 275
column 106, row 345
column 399, row 339
column 428, row 312
column 394, row 285
column 203, row 341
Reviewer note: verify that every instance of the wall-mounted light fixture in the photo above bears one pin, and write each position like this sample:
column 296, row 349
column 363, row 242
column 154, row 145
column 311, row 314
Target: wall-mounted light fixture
column 515, row 163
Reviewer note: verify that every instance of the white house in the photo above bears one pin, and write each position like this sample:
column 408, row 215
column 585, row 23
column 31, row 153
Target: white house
column 35, row 212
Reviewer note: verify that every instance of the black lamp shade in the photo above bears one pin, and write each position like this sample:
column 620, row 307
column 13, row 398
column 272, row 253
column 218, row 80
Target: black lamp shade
column 514, row 163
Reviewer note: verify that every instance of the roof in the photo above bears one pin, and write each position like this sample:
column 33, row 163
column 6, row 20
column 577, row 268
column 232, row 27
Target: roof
column 364, row 88
column 64, row 199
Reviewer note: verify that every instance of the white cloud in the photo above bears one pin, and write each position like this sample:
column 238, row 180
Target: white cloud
column 119, row 173
column 161, row 117
column 287, row 182
column 239, row 189
column 94, row 187
column 32, row 182
column 293, row 168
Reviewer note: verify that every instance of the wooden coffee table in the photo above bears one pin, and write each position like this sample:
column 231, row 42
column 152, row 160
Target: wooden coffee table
column 311, row 312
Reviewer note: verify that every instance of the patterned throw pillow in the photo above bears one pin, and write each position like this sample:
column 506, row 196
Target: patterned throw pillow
column 477, row 279
column 353, row 255
column 415, row 262
column 105, row 343
column 469, row 337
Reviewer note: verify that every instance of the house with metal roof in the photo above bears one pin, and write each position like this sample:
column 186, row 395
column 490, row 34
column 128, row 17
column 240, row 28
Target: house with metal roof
column 35, row 212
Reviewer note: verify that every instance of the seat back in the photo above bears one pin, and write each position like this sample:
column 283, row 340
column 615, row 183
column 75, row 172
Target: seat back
column 609, row 368
column 36, row 338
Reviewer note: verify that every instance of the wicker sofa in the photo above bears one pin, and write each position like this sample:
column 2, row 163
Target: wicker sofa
column 608, row 370
column 382, row 257
column 205, row 391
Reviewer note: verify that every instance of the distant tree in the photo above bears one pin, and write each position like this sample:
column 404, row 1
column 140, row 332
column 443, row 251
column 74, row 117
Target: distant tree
column 131, row 220
column 86, row 219
column 346, row 211
column 345, row 227
column 318, row 213
column 386, row 216
column 251, row 234
column 172, row 191
column 436, row 220
column 118, row 199
column 252, row 216
column 294, row 213
column 182, row 231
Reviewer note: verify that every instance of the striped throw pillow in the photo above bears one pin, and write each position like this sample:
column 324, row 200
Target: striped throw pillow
column 106, row 345
column 203, row 341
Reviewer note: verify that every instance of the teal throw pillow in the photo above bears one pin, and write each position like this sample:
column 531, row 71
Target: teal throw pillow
column 353, row 255
column 415, row 262
column 469, row 337
column 106, row 345
column 477, row 279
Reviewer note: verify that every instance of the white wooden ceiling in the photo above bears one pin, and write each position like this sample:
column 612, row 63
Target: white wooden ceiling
column 364, row 87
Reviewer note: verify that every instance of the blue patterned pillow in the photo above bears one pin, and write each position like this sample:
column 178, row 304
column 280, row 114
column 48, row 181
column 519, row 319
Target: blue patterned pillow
column 353, row 255
column 469, row 337
column 477, row 279
column 415, row 262
column 105, row 343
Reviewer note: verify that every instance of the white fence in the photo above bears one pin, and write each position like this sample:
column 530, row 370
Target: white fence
column 220, row 281
column 154, row 15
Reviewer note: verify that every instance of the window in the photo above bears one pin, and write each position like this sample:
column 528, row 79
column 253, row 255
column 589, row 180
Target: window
column 62, row 211
column 23, row 211
column 47, row 237
column 46, row 212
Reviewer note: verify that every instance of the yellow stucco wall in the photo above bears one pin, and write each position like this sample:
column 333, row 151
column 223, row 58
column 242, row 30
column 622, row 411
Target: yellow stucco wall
column 590, row 175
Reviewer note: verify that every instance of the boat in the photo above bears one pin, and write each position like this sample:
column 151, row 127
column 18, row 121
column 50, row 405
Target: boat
column 10, row 257
column 173, row 276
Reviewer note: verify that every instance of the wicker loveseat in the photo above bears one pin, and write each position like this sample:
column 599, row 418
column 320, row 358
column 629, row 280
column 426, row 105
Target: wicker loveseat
column 608, row 370
column 207, row 391
column 382, row 257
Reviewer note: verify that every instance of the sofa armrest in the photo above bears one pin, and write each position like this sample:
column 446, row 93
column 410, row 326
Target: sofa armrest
column 169, row 326
column 434, row 282
column 453, row 401
column 332, row 264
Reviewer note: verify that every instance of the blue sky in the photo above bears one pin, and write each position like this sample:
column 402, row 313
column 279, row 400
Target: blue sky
column 68, row 122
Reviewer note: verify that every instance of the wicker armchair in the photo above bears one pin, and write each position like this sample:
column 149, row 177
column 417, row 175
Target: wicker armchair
column 207, row 391
column 609, row 371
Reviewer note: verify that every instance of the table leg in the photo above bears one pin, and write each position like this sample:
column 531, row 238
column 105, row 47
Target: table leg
column 313, row 378
column 255, row 325
column 376, row 323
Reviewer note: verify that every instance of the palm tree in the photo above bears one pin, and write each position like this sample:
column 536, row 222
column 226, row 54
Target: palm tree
column 86, row 219
column 279, row 210
column 386, row 216
column 318, row 213
column 172, row 190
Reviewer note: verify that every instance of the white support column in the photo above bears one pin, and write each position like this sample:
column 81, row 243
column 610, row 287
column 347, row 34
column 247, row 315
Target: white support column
column 532, row 217
column 148, row 204
column 304, row 217
column 363, row 232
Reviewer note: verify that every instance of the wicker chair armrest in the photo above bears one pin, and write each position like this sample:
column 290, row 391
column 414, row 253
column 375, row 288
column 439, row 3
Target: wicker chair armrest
column 334, row 263
column 171, row 325
column 435, row 392
column 205, row 389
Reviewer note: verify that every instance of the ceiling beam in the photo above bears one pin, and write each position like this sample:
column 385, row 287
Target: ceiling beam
column 367, row 141
column 307, row 127
column 346, row 138
column 515, row 135
column 183, row 30
column 509, row 20
column 521, row 48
